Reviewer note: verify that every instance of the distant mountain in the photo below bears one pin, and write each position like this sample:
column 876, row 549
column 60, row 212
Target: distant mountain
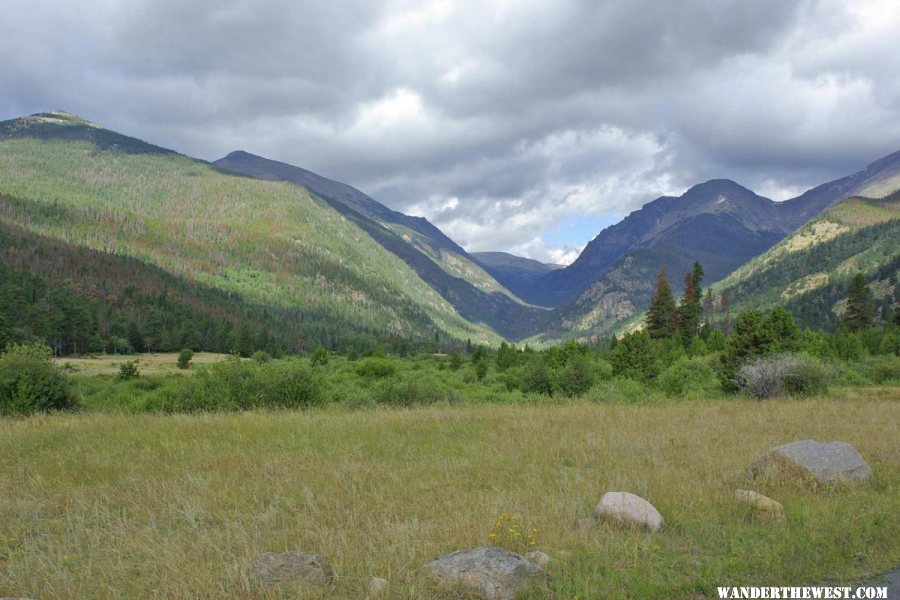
column 689, row 227
column 718, row 223
column 275, row 253
column 437, row 259
column 808, row 272
column 517, row 273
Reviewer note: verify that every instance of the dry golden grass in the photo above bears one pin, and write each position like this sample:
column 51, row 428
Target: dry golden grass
column 163, row 363
column 144, row 506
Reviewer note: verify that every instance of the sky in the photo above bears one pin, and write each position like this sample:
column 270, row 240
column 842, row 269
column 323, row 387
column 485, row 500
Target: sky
column 518, row 125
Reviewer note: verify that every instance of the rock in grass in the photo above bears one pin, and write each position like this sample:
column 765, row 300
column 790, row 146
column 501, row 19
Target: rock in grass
column 377, row 587
column 493, row 573
column 834, row 462
column 298, row 567
column 542, row 559
column 630, row 509
column 763, row 506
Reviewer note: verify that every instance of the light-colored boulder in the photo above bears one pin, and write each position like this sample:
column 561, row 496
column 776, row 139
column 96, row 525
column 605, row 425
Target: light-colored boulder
column 630, row 509
column 834, row 462
column 538, row 557
column 377, row 587
column 492, row 573
column 763, row 506
column 272, row 567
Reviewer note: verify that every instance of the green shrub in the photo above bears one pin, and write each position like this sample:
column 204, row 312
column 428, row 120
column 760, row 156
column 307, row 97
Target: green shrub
column 129, row 370
column 685, row 376
column 635, row 357
column 30, row 382
column 757, row 334
column 879, row 370
column 235, row 384
column 623, row 390
column 603, row 369
column 288, row 383
column 402, row 391
column 319, row 357
column 261, row 357
column 481, row 369
column 536, row 379
column 575, row 378
column 184, row 358
column 376, row 368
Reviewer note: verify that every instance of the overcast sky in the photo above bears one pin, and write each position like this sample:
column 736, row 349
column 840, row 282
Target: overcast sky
column 518, row 125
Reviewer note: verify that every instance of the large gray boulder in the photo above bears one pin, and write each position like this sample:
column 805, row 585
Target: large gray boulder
column 834, row 462
column 493, row 573
column 629, row 509
column 298, row 567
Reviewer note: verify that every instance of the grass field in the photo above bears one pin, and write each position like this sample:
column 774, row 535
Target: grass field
column 128, row 506
column 163, row 363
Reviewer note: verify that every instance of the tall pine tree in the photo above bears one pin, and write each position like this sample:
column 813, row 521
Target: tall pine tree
column 690, row 309
column 660, row 317
column 860, row 311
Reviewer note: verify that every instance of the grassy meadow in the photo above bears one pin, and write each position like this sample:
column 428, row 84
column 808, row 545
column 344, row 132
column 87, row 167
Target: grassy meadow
column 101, row 505
column 160, row 364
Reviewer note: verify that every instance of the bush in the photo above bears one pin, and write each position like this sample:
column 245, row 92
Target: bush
column 623, row 390
column 289, row 384
column 261, row 357
column 785, row 374
column 879, row 370
column 234, row 384
column 635, row 357
column 319, row 357
column 536, row 379
column 184, row 358
column 685, row 376
column 411, row 392
column 575, row 378
column 376, row 368
column 30, row 382
column 756, row 334
column 129, row 370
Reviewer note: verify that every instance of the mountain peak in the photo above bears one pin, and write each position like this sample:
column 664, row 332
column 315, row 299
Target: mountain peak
column 716, row 187
column 240, row 154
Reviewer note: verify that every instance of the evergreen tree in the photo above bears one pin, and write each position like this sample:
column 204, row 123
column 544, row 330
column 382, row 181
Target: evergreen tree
column 690, row 310
column 662, row 309
column 860, row 311
column 725, row 307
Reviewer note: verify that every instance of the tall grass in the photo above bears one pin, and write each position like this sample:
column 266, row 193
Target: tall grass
column 127, row 506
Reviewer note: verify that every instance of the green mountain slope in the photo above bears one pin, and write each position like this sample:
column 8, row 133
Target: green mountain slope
column 262, row 242
column 437, row 259
column 808, row 271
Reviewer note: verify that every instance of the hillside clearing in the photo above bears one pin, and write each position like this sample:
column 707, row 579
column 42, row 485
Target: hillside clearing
column 115, row 506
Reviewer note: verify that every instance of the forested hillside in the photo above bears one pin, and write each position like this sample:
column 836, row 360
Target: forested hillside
column 809, row 271
column 255, row 243
column 439, row 261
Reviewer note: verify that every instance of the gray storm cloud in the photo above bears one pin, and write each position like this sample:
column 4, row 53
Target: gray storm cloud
column 497, row 119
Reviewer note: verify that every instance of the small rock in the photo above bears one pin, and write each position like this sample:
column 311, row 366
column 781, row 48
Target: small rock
column 628, row 508
column 540, row 558
column 834, row 462
column 291, row 566
column 766, row 508
column 377, row 587
column 493, row 573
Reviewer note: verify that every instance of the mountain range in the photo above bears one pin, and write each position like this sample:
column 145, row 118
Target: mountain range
column 308, row 260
